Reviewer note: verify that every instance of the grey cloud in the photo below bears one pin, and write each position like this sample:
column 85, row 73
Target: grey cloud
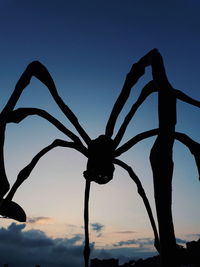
column 13, row 236
column 193, row 236
column 104, row 254
column 141, row 242
column 16, row 228
column 127, row 242
column 181, row 241
column 39, row 219
column 124, row 254
column 97, row 227
column 21, row 248
column 67, row 242
column 125, row 232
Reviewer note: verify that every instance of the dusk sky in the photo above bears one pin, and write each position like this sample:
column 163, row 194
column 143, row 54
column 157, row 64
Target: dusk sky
column 89, row 46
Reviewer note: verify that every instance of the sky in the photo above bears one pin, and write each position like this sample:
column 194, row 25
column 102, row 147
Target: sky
column 89, row 47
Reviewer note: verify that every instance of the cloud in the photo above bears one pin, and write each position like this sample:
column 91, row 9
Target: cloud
column 124, row 254
column 194, row 236
column 39, row 220
column 181, row 241
column 26, row 248
column 21, row 248
column 74, row 226
column 141, row 242
column 97, row 227
column 125, row 232
column 125, row 243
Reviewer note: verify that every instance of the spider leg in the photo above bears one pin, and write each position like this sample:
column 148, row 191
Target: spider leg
column 141, row 192
column 4, row 184
column 40, row 72
column 185, row 98
column 20, row 114
column 134, row 140
column 162, row 161
column 86, row 223
column 146, row 91
column 132, row 77
column 25, row 172
column 192, row 145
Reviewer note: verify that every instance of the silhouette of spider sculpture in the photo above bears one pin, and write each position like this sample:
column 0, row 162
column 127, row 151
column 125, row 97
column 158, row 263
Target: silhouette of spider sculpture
column 101, row 152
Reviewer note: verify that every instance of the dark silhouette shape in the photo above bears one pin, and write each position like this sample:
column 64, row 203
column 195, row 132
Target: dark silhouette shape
column 188, row 256
column 102, row 152
column 104, row 263
column 12, row 210
column 162, row 162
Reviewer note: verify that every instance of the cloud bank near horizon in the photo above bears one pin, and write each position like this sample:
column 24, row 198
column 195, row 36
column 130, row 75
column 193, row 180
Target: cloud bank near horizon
column 21, row 248
column 26, row 248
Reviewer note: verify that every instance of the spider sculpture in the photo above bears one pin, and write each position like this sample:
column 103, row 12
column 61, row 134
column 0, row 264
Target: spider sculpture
column 103, row 151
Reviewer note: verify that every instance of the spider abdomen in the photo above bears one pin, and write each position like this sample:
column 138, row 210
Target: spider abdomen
column 100, row 165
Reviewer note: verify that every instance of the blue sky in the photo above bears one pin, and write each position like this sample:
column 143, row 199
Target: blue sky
column 88, row 47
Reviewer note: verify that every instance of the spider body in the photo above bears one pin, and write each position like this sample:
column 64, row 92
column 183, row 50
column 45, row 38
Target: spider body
column 103, row 151
column 100, row 167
